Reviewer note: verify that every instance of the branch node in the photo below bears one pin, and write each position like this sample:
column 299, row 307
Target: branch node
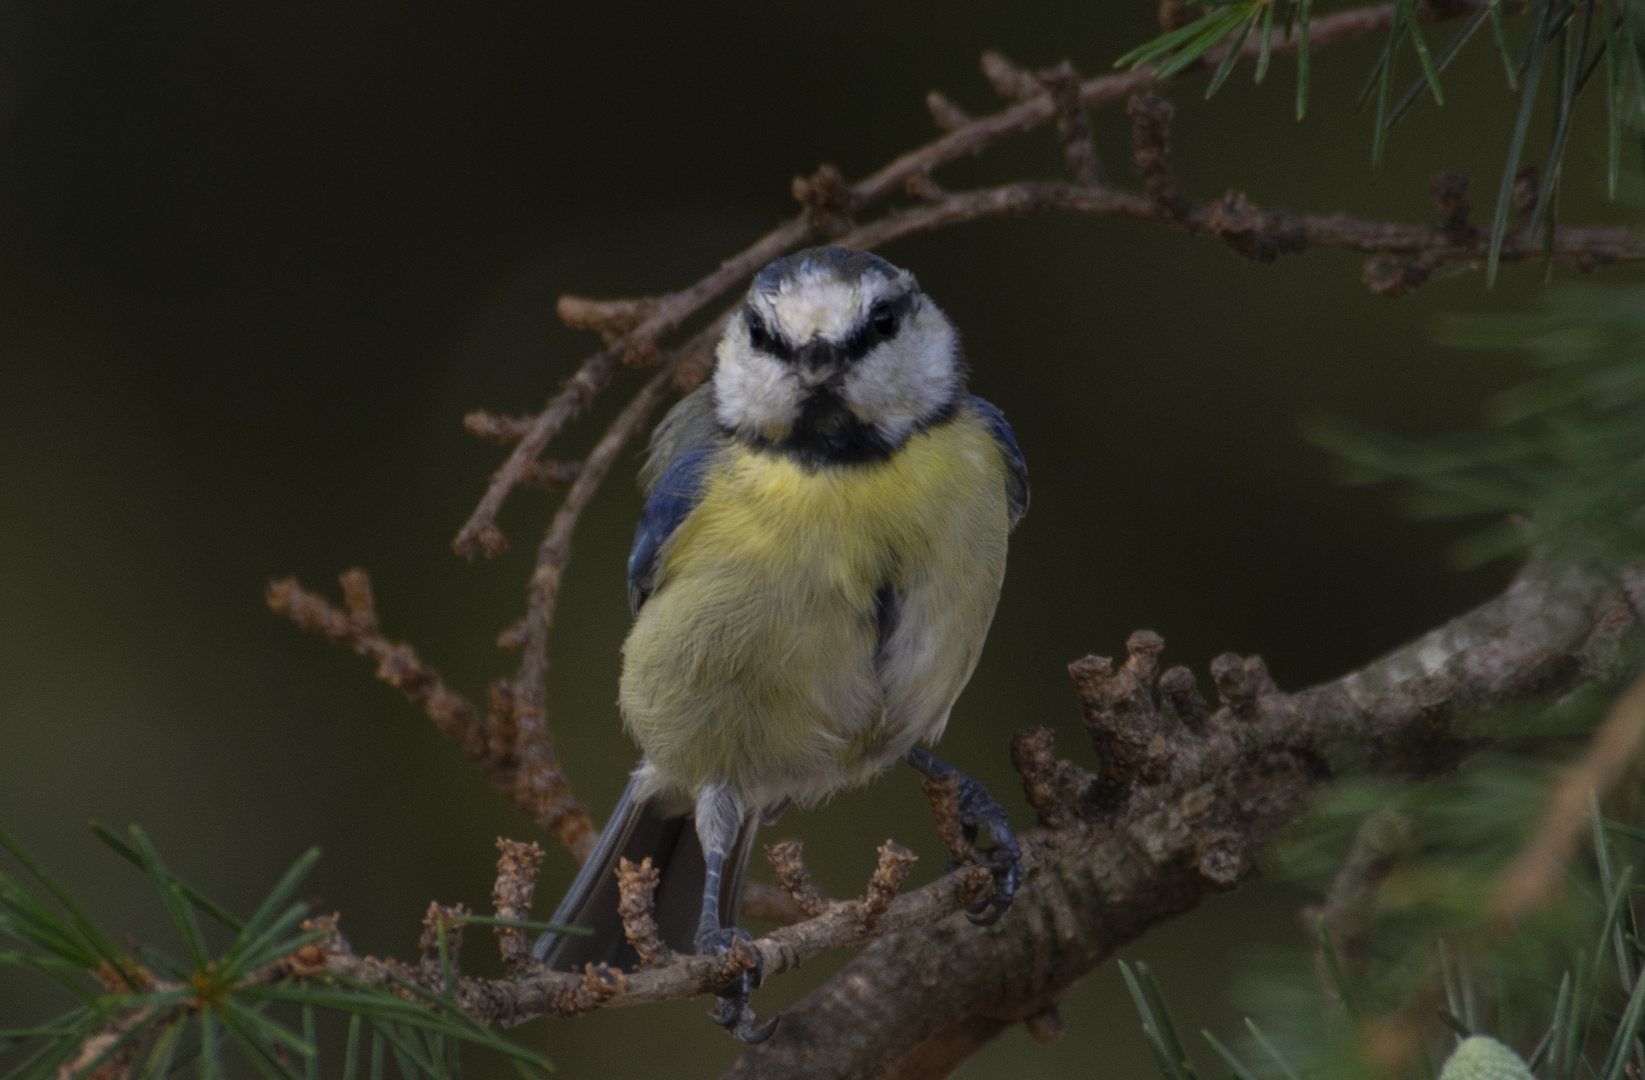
column 1261, row 236
column 1062, row 82
column 1180, row 690
column 602, row 982
column 1450, row 192
column 1050, row 785
column 827, row 200
column 637, row 886
column 1126, row 725
column 1241, row 681
column 309, row 960
column 362, row 610
column 1045, row 1026
column 501, row 430
column 1396, row 277
column 944, row 113
column 610, row 318
column 1151, row 153
column 919, row 185
column 895, row 863
column 489, row 541
column 1008, row 80
column 439, row 915
column 1221, row 858
column 511, row 896
column 794, row 879
column 550, row 475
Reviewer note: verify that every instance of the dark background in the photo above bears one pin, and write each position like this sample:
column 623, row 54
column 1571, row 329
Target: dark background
column 256, row 261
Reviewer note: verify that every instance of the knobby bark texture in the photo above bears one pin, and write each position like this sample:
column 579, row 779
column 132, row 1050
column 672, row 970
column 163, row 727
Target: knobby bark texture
column 1178, row 808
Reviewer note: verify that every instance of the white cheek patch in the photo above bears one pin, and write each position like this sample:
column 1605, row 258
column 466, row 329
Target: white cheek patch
column 909, row 378
column 753, row 393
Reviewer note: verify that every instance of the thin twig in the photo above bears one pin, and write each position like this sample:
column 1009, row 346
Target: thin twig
column 512, row 895
column 512, row 747
column 889, row 873
column 480, row 535
column 637, row 887
column 793, row 878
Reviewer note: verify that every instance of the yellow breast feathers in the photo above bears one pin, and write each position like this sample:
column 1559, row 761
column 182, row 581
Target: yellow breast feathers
column 808, row 625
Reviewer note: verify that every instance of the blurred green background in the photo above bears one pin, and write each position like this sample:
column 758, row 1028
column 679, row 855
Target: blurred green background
column 256, row 261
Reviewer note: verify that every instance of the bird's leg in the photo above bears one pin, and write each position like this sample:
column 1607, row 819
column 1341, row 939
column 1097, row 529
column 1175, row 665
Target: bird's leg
column 978, row 808
column 719, row 818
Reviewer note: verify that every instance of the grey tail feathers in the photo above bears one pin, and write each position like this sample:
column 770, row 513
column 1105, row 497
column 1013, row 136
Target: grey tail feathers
column 635, row 831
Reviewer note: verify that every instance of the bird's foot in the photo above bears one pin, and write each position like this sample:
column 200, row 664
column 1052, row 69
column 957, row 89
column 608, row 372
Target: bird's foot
column 979, row 810
column 732, row 1011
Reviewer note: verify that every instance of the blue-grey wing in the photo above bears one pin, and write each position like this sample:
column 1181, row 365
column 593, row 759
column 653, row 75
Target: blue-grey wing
column 1016, row 468
column 681, row 449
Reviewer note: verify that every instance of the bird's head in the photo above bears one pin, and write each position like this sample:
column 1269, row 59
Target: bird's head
column 835, row 355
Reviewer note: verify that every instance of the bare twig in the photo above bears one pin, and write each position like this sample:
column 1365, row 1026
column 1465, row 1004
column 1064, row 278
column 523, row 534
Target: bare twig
column 498, row 429
column 479, row 535
column 793, row 878
column 441, row 921
column 944, row 793
column 1151, row 152
column 512, row 894
column 889, row 874
column 512, row 748
column 1073, row 126
column 1051, row 785
column 637, row 886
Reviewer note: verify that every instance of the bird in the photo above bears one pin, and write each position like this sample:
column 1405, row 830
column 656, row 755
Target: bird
column 815, row 569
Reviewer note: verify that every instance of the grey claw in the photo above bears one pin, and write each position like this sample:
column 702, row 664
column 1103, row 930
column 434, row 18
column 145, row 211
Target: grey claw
column 754, row 1036
column 732, row 1011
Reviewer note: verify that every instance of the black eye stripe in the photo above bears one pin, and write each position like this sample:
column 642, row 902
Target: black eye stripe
column 883, row 322
column 763, row 340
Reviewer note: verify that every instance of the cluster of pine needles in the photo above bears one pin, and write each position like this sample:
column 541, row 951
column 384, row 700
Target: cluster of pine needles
column 149, row 1014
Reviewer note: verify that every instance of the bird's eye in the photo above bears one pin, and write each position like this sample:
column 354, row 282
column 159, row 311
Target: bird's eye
column 758, row 336
column 883, row 319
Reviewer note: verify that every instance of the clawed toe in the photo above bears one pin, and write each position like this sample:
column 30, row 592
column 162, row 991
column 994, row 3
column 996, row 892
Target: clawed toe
column 732, row 1011
column 1005, row 861
column 978, row 810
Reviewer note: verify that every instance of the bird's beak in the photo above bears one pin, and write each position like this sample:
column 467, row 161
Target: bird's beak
column 818, row 363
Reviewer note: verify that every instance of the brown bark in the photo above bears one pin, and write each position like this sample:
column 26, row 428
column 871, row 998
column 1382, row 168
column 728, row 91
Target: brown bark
column 1203, row 801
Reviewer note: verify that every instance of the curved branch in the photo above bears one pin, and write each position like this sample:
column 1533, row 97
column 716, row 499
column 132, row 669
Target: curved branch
column 637, row 345
column 1176, row 811
column 1191, row 821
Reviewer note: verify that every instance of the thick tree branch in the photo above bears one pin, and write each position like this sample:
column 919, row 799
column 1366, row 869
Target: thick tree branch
column 1199, row 804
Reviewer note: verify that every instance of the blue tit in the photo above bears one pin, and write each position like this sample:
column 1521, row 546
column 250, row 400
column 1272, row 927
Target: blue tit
column 814, row 572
